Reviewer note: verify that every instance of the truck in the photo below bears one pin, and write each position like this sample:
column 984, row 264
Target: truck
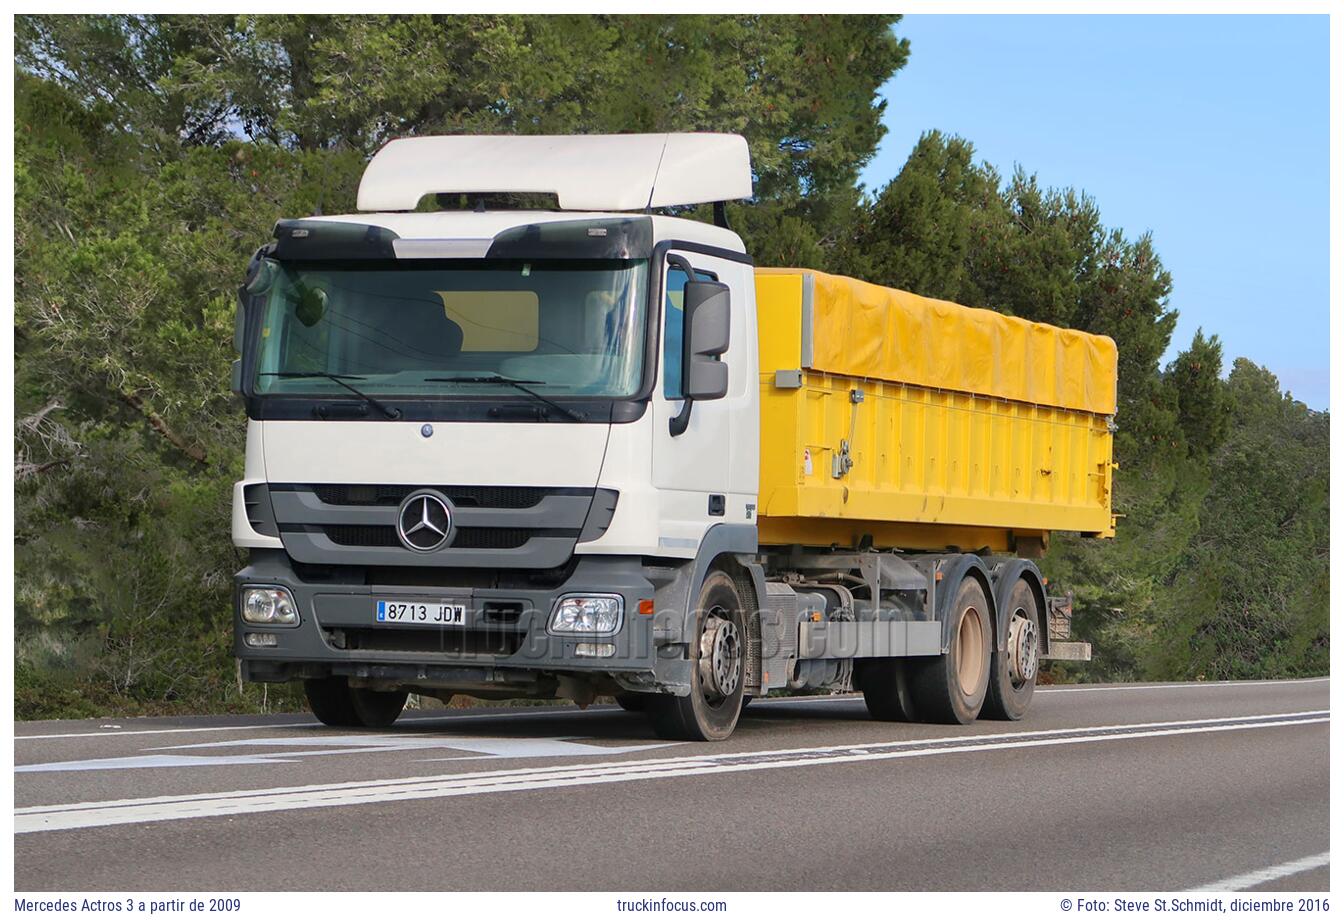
column 523, row 427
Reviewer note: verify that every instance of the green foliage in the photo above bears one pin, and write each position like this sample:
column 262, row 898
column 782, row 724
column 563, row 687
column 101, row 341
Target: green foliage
column 1220, row 569
column 127, row 442
column 1251, row 598
column 1202, row 401
column 925, row 231
column 154, row 153
column 801, row 89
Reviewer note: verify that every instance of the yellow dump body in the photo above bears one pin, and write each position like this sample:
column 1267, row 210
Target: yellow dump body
column 924, row 424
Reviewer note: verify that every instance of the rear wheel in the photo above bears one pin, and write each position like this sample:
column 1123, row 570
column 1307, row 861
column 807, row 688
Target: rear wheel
column 710, row 711
column 1012, row 675
column 951, row 688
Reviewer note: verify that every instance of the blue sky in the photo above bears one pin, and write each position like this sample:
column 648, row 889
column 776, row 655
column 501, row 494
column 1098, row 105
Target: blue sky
column 1212, row 132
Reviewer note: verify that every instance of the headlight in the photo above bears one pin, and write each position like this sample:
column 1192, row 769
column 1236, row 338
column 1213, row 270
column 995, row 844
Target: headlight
column 587, row 615
column 269, row 606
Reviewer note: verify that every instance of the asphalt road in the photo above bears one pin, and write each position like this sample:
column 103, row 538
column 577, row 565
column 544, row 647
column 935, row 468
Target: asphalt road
column 1101, row 788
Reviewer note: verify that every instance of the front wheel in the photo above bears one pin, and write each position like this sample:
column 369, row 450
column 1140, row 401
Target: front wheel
column 339, row 705
column 329, row 700
column 710, row 711
column 377, row 708
column 632, row 702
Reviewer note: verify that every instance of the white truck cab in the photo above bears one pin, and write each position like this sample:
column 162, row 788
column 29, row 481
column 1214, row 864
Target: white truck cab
column 471, row 433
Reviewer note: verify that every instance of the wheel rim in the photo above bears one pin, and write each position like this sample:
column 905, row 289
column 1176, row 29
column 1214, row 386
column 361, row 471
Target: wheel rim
column 970, row 651
column 1023, row 649
column 720, row 657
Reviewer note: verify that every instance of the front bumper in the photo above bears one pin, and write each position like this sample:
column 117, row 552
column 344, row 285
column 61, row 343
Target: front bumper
column 503, row 648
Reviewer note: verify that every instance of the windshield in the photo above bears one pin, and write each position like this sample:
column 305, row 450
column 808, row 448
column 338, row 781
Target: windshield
column 447, row 329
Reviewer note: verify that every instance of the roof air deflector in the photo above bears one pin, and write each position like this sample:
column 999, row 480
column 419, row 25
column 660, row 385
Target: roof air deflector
column 594, row 172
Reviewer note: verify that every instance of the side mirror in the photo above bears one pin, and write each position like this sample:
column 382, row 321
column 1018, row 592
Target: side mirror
column 705, row 338
column 240, row 323
column 707, row 306
column 261, row 275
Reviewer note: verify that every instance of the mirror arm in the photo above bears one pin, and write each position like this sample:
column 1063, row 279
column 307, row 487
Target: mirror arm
column 678, row 423
column 677, row 261
column 721, row 215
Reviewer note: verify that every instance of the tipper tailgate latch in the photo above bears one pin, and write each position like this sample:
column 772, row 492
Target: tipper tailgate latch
column 843, row 461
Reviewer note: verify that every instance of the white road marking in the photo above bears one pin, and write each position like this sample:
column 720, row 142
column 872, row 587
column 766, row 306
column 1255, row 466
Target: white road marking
column 432, row 716
column 1070, row 688
column 327, row 745
column 1194, row 685
column 1272, row 874
column 167, row 808
column 169, row 731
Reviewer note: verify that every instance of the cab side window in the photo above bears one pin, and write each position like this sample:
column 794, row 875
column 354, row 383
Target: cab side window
column 673, row 321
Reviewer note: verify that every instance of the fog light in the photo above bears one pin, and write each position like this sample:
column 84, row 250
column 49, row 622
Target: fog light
column 595, row 649
column 268, row 605
column 587, row 615
column 261, row 640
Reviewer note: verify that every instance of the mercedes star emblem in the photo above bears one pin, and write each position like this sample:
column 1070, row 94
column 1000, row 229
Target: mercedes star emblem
column 424, row 522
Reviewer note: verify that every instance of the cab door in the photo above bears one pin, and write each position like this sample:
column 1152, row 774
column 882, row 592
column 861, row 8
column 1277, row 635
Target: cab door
column 706, row 474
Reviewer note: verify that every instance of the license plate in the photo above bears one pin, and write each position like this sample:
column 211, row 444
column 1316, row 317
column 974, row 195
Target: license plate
column 416, row 613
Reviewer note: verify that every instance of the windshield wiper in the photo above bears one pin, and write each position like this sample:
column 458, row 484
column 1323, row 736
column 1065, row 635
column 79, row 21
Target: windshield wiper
column 518, row 385
column 339, row 379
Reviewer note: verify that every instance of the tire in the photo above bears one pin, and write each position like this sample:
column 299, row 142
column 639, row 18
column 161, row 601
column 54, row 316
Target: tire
column 951, row 688
column 335, row 703
column 377, row 708
column 746, row 701
column 632, row 702
column 329, row 699
column 710, row 711
column 885, row 692
column 1012, row 672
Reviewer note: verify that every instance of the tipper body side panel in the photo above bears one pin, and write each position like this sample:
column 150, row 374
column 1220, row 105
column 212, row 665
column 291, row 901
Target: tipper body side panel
column 924, row 424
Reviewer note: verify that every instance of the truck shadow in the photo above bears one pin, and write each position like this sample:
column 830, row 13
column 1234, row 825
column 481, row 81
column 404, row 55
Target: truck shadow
column 611, row 723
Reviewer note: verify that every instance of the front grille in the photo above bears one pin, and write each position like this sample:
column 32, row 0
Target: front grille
column 463, row 496
column 359, row 523
column 448, row 641
column 499, row 537
column 361, row 535
column 464, row 538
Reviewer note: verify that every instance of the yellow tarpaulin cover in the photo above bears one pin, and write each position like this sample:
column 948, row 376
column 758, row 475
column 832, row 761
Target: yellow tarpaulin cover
column 864, row 330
